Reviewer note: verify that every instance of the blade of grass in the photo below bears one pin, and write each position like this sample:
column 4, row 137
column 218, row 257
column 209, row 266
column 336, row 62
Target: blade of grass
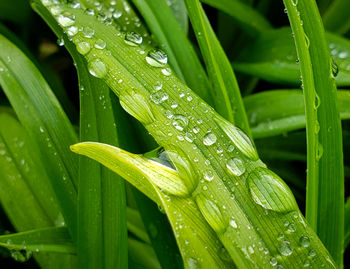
column 180, row 13
column 325, row 177
column 135, row 225
column 279, row 111
column 347, row 224
column 173, row 41
column 336, row 18
column 53, row 239
column 272, row 57
column 246, row 16
column 142, row 255
column 44, row 119
column 228, row 100
column 24, row 180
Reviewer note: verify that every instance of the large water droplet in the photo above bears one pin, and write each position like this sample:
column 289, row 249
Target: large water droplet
column 157, row 58
column 133, row 39
column 208, row 175
column 72, row 30
column 235, row 166
column 304, row 241
column 66, row 19
column 97, row 68
column 269, row 191
column 209, row 139
column 83, row 47
column 285, row 248
column 180, row 122
column 88, row 32
column 100, row 44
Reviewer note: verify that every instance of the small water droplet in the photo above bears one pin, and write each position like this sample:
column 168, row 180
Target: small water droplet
column 97, row 68
column 88, row 32
column 304, row 241
column 312, row 253
column 21, row 255
column 180, row 122
column 291, row 228
column 156, row 58
column 189, row 137
column 233, row 224
column 273, row 261
column 100, row 44
column 60, row 42
column 285, row 248
column 83, row 47
column 208, row 175
column 66, row 19
column 209, row 139
column 133, row 39
column 235, row 166
column 166, row 71
column 158, row 86
column 72, row 30
column 307, row 263
column 117, row 14
column 192, row 263
column 196, row 129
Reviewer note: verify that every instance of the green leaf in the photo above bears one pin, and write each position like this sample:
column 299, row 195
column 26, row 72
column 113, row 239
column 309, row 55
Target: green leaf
column 347, row 224
column 173, row 41
column 138, row 171
column 325, row 176
column 279, row 111
column 228, row 100
column 246, row 17
column 272, row 57
column 142, row 255
column 44, row 119
column 53, row 239
column 180, row 13
column 135, row 225
column 336, row 18
column 24, row 180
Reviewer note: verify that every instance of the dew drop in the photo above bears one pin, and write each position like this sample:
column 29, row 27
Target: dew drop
column 100, row 44
column 159, row 97
column 88, row 32
column 72, row 30
column 273, row 261
column 158, row 86
column 209, row 139
column 97, row 68
column 285, row 248
column 307, row 263
column 233, row 224
column 196, row 129
column 192, row 263
column 133, row 39
column 304, row 241
column 156, row 58
column 180, row 122
column 235, row 166
column 21, row 255
column 166, row 71
column 66, row 19
column 83, row 47
column 189, row 137
column 208, row 175
column 224, row 255
column 117, row 14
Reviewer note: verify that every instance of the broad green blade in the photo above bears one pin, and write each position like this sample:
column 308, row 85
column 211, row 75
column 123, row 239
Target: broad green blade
column 173, row 41
column 53, row 239
column 186, row 218
column 247, row 17
column 272, row 57
column 228, row 100
column 24, row 180
column 136, row 226
column 213, row 157
column 325, row 171
column 336, row 18
column 41, row 115
column 279, row 111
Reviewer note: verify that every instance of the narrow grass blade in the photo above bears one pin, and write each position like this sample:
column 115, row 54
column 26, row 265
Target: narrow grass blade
column 272, row 57
column 228, row 100
column 24, row 180
column 137, row 168
column 246, row 16
column 142, row 255
column 347, row 224
column 208, row 147
column 53, row 239
column 279, row 111
column 135, row 225
column 44, row 119
column 325, row 177
column 173, row 41
column 336, row 18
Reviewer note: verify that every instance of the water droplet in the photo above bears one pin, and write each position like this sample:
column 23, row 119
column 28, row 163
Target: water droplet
column 273, row 261
column 72, row 30
column 117, row 14
column 157, row 58
column 235, row 166
column 83, row 47
column 307, row 263
column 158, row 86
column 88, row 32
column 304, row 241
column 294, row 2
column 189, row 137
column 159, row 97
column 90, row 12
column 180, row 122
column 196, row 129
column 97, row 68
column 224, row 255
column 269, row 191
column 291, row 228
column 66, row 19
column 166, row 71
column 233, row 224
column 133, row 39
column 21, row 255
column 100, row 44
column 192, row 263
column 209, row 139
column 335, row 69
column 285, row 248
column 319, row 151
column 60, row 42
column 208, row 175
column 312, row 253
column 343, row 55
